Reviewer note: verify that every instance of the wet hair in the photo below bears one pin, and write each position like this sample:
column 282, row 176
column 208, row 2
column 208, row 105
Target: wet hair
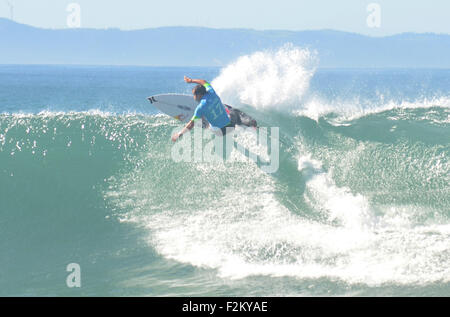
column 199, row 90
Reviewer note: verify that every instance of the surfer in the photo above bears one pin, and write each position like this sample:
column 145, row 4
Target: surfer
column 221, row 118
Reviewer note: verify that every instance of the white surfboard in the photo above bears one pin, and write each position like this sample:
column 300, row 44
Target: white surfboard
column 178, row 106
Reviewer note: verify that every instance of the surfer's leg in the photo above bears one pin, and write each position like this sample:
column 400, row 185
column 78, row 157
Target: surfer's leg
column 234, row 117
column 205, row 123
column 246, row 120
column 240, row 118
column 227, row 129
column 226, row 142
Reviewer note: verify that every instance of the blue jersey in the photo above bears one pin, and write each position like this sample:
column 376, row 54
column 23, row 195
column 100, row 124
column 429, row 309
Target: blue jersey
column 212, row 109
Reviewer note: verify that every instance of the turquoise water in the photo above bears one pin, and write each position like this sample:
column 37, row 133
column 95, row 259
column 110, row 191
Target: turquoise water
column 359, row 206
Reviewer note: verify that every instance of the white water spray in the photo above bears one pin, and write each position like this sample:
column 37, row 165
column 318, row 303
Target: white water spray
column 268, row 79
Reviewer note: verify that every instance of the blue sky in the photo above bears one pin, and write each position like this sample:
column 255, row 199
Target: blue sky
column 393, row 16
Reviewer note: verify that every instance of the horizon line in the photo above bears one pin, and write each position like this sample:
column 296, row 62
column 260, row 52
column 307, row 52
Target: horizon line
column 218, row 66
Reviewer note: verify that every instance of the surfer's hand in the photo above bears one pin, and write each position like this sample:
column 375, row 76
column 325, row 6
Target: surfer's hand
column 187, row 79
column 175, row 137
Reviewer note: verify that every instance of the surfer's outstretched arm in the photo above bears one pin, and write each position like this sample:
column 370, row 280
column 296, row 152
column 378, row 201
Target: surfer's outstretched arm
column 194, row 81
column 188, row 127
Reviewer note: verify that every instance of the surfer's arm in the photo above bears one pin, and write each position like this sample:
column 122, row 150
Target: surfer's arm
column 195, row 81
column 197, row 115
column 188, row 127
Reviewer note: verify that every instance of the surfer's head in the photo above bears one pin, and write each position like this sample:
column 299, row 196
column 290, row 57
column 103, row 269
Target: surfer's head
column 199, row 91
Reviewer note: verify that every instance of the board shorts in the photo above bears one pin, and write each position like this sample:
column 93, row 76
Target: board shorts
column 237, row 117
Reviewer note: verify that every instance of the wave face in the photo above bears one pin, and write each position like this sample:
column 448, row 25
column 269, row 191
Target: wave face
column 359, row 206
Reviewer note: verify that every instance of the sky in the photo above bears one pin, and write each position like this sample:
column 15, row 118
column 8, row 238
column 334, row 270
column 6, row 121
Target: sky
column 369, row 17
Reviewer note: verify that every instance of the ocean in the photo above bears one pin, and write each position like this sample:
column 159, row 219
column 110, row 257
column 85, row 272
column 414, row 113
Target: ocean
column 359, row 206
